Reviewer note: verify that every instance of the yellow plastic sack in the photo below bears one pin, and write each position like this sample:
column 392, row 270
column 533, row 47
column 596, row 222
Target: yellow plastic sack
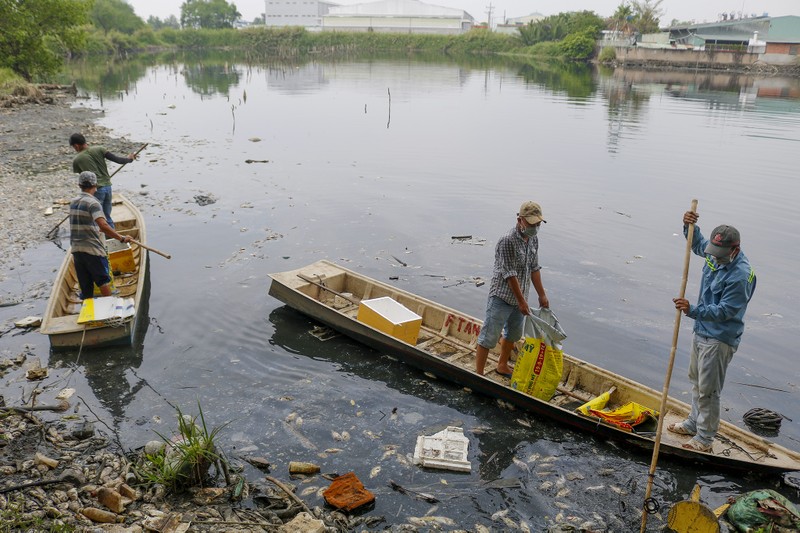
column 627, row 416
column 540, row 362
column 595, row 404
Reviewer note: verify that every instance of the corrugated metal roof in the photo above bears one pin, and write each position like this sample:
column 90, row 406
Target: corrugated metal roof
column 783, row 30
column 770, row 29
column 403, row 8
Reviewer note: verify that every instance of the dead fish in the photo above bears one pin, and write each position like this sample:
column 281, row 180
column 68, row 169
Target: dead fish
column 523, row 422
column 371, row 435
column 563, row 493
column 480, row 528
column 430, row 375
column 522, row 465
column 561, row 505
column 290, row 417
column 572, row 476
column 510, row 523
column 594, row 488
column 308, row 490
column 298, row 421
column 388, row 453
column 532, row 458
column 374, row 472
column 499, row 514
column 546, row 485
column 333, row 450
column 616, row 489
column 545, row 473
column 427, row 521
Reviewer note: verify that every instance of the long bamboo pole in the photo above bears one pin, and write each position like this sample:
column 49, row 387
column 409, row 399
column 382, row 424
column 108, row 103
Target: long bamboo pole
column 668, row 377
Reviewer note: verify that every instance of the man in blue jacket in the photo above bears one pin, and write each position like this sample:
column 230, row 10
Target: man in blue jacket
column 726, row 287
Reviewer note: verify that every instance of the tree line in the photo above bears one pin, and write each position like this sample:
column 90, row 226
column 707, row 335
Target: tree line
column 35, row 37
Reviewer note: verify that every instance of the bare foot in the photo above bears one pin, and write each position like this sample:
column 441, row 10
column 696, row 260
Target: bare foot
column 505, row 370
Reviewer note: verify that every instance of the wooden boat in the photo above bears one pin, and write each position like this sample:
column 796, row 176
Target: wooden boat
column 445, row 346
column 60, row 320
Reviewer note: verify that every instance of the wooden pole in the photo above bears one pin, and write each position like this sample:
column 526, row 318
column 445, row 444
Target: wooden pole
column 668, row 377
column 159, row 252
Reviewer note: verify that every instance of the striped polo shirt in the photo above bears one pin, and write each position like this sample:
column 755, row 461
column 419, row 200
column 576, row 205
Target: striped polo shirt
column 84, row 233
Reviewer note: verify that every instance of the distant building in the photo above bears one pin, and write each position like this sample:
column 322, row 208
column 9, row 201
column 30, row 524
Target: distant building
column 776, row 39
column 397, row 16
column 305, row 13
column 512, row 25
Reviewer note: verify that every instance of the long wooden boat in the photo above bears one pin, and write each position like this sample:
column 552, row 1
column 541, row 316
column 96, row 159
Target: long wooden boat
column 445, row 346
column 60, row 320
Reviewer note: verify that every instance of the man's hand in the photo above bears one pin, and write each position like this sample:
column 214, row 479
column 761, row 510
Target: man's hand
column 690, row 217
column 682, row 304
column 544, row 301
column 126, row 238
column 133, row 156
column 523, row 307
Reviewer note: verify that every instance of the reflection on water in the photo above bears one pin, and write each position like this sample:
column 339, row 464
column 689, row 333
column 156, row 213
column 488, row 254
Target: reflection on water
column 110, row 372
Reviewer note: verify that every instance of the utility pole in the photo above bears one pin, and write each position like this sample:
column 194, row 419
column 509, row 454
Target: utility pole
column 489, row 10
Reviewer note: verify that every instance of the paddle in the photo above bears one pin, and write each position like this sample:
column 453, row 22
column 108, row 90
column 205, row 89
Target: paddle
column 47, row 235
column 159, row 252
column 668, row 377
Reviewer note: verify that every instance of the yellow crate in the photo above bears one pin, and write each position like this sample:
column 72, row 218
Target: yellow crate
column 390, row 317
column 120, row 256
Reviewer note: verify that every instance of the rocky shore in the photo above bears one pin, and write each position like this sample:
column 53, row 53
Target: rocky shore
column 59, row 474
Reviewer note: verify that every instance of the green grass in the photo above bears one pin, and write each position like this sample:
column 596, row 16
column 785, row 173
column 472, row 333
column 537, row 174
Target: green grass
column 13, row 518
column 186, row 457
column 10, row 82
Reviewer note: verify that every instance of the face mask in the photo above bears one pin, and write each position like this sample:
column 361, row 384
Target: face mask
column 723, row 260
column 531, row 231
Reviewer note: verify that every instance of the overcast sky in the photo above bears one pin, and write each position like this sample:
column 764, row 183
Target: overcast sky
column 698, row 10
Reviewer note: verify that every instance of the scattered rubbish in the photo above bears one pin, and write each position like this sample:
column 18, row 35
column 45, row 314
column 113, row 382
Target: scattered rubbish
column 35, row 371
column 248, row 161
column 467, row 239
column 258, row 462
column 254, row 139
column 204, row 199
column 324, row 333
column 763, row 510
column 298, row 467
column 29, row 322
column 394, row 278
column 48, row 211
column 65, row 394
column 347, row 493
column 419, row 495
column 399, row 261
column 461, row 237
column 446, row 450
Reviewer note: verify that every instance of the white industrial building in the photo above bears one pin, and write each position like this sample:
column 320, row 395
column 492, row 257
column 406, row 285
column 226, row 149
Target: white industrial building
column 306, row 13
column 397, row 16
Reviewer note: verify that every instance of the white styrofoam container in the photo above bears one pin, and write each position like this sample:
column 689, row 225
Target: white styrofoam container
column 445, row 450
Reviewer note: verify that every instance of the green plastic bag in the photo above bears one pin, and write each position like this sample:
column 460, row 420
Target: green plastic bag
column 763, row 511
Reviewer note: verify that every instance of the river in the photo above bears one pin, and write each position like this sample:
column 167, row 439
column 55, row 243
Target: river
column 367, row 161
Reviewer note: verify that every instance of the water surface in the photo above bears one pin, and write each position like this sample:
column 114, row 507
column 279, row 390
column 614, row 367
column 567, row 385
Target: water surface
column 370, row 161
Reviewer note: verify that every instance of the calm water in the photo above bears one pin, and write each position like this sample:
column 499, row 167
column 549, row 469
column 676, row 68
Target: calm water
column 374, row 159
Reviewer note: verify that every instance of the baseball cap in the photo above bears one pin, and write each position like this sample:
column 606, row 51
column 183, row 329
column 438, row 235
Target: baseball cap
column 723, row 238
column 87, row 179
column 531, row 212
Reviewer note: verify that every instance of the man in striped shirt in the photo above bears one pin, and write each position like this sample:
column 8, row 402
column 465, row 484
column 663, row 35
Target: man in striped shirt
column 86, row 222
column 516, row 266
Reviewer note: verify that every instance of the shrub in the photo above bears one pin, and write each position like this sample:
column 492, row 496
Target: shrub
column 578, row 45
column 607, row 55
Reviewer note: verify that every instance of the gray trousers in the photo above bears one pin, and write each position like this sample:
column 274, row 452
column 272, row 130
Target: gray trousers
column 708, row 363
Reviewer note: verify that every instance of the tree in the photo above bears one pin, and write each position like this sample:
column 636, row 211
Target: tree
column 208, row 14
column 646, row 14
column 33, row 34
column 169, row 22
column 557, row 27
column 115, row 15
column 620, row 20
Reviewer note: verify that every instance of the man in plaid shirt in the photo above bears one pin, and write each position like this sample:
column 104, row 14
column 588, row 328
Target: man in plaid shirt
column 516, row 265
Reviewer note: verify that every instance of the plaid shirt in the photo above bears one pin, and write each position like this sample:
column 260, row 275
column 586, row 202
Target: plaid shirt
column 84, row 233
column 513, row 256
